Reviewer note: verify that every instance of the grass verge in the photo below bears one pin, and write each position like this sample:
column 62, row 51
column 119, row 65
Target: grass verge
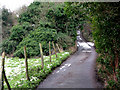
column 15, row 70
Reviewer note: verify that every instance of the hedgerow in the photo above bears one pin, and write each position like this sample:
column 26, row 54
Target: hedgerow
column 105, row 22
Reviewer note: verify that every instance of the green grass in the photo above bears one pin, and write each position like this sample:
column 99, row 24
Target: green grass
column 15, row 70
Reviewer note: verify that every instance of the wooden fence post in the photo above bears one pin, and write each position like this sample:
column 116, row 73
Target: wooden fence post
column 42, row 60
column 76, row 45
column 58, row 47
column 61, row 48
column 54, row 49
column 49, row 51
column 1, row 85
column 3, row 76
column 1, row 73
column 26, row 63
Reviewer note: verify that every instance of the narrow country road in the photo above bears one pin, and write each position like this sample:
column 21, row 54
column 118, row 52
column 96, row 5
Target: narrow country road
column 78, row 71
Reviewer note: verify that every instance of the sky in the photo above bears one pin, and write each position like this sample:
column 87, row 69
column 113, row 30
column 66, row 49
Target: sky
column 14, row 4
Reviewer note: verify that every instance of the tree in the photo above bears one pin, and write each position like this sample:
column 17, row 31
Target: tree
column 7, row 22
column 61, row 22
column 34, row 27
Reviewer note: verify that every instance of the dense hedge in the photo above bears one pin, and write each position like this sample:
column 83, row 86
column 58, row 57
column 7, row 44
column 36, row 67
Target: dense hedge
column 106, row 25
column 105, row 22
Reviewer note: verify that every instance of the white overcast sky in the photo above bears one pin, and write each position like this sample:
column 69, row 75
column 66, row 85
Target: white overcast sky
column 14, row 4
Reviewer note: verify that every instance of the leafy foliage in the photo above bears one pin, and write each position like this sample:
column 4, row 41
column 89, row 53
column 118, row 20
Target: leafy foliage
column 64, row 40
column 7, row 21
column 106, row 36
column 104, row 19
column 61, row 22
column 31, row 15
column 18, row 32
column 38, row 25
column 43, row 36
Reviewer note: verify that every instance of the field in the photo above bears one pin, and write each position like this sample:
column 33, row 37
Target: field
column 15, row 70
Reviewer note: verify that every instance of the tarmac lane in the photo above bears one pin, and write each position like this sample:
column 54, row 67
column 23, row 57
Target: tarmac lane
column 78, row 71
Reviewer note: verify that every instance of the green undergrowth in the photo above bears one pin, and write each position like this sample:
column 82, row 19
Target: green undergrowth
column 15, row 70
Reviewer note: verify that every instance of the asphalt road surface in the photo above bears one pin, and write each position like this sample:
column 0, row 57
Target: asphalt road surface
column 78, row 71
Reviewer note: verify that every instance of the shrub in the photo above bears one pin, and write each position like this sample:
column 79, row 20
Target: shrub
column 64, row 40
column 43, row 36
column 9, row 46
column 18, row 32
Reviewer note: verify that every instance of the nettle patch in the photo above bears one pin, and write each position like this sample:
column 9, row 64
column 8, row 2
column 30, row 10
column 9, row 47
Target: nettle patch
column 15, row 70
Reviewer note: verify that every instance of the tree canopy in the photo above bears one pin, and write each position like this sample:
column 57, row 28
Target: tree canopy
column 38, row 25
